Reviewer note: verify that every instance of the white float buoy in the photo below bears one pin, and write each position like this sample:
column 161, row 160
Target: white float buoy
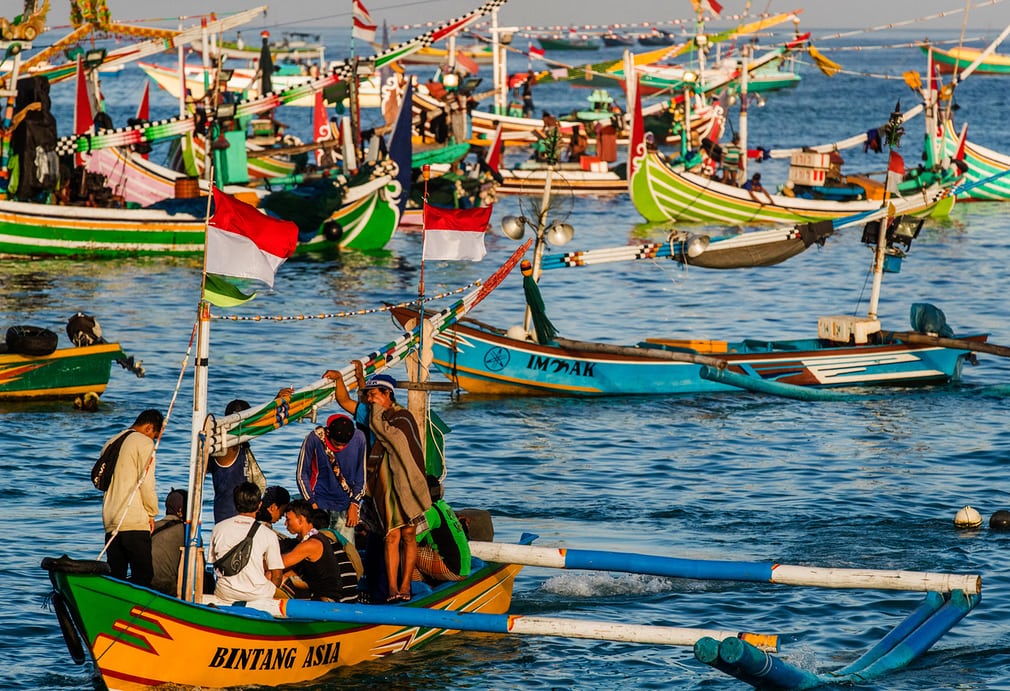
column 967, row 518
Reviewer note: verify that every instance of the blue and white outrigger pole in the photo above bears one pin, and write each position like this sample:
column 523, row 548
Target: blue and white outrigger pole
column 949, row 597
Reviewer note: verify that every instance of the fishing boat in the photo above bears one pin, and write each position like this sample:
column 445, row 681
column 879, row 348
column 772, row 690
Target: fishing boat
column 51, row 230
column 987, row 172
column 572, row 42
column 33, row 367
column 596, row 178
column 245, row 81
column 958, row 59
column 139, row 638
column 848, row 351
column 613, row 40
column 690, row 191
column 657, row 37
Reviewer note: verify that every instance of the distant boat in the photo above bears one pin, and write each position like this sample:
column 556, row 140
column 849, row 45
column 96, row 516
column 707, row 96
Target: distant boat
column 611, row 40
column 658, row 37
column 959, row 58
column 561, row 43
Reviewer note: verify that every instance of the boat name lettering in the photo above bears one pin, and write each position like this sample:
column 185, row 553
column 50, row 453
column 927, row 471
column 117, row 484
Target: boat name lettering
column 322, row 655
column 255, row 658
column 555, row 366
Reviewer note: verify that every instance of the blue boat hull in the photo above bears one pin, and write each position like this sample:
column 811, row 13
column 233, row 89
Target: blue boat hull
column 482, row 360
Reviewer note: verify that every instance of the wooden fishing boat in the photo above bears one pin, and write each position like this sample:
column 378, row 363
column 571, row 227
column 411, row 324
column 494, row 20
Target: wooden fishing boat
column 847, row 351
column 664, row 192
column 430, row 55
column 959, row 58
column 656, row 38
column 529, row 177
column 366, row 221
column 481, row 359
column 243, row 81
column 987, row 173
column 613, row 40
column 567, row 43
column 139, row 638
column 520, row 131
column 33, row 366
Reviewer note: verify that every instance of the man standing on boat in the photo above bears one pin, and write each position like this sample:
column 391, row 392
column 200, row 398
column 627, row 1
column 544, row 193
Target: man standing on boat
column 130, row 504
column 331, row 472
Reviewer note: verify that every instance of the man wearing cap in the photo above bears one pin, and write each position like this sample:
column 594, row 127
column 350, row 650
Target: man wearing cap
column 331, row 472
column 396, row 480
column 167, row 540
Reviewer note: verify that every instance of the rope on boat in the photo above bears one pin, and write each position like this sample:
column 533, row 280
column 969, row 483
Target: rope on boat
column 342, row 315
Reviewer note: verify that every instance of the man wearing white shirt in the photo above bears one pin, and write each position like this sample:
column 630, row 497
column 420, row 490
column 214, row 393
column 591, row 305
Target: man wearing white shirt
column 260, row 577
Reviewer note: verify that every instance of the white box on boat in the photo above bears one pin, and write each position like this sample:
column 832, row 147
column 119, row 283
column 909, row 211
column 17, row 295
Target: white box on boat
column 847, row 329
column 599, row 167
column 806, row 159
column 807, row 176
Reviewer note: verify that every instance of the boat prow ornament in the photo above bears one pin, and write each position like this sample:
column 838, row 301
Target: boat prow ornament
column 27, row 25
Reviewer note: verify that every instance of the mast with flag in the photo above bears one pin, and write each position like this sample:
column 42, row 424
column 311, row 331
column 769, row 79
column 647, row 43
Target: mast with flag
column 245, row 243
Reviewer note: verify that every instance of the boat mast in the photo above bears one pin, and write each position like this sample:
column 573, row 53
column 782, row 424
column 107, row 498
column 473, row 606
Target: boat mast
column 742, row 127
column 10, row 93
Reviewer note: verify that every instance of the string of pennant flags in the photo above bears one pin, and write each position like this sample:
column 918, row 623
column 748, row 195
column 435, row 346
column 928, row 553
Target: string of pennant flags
column 344, row 314
column 603, row 28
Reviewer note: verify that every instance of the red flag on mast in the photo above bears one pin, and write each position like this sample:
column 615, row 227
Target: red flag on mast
column 144, row 109
column 84, row 119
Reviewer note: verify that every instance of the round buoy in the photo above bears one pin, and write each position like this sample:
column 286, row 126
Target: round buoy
column 1000, row 520
column 967, row 518
column 517, row 333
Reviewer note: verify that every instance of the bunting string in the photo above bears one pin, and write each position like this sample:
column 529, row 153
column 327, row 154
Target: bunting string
column 340, row 315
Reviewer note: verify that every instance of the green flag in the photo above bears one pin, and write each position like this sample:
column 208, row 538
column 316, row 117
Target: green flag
column 221, row 292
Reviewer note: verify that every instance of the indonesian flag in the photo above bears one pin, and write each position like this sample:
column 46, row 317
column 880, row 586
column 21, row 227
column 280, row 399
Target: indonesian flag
column 535, row 52
column 364, row 25
column 466, row 62
column 243, row 242
column 895, row 171
column 455, row 234
column 711, row 6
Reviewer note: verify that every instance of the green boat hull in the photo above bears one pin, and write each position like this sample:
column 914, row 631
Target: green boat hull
column 64, row 374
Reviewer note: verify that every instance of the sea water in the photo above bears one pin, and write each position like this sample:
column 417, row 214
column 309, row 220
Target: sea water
column 873, row 482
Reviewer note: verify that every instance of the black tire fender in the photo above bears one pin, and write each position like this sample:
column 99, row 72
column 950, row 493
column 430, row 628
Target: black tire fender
column 333, row 231
column 69, row 630
column 31, row 340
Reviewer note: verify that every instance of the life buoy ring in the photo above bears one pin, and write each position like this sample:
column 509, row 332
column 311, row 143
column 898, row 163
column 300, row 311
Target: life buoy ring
column 31, row 340
column 75, row 646
column 333, row 231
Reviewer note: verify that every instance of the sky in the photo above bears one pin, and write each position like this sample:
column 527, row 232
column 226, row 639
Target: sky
column 985, row 15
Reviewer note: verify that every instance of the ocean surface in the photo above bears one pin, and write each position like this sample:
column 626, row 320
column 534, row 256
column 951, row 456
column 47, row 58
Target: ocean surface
column 871, row 482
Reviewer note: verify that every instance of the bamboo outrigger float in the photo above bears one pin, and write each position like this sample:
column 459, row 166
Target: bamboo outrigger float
column 949, row 598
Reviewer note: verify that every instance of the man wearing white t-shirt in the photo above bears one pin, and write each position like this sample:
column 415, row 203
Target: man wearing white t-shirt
column 261, row 575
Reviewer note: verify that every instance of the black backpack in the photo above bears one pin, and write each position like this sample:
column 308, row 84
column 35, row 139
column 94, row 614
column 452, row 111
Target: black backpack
column 101, row 472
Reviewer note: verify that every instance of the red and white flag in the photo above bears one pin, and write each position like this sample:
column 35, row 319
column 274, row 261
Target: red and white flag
column 243, row 242
column 895, row 171
column 364, row 25
column 535, row 52
column 710, row 6
column 455, row 234
column 466, row 62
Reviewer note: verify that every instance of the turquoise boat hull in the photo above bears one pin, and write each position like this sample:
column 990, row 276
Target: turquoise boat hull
column 483, row 360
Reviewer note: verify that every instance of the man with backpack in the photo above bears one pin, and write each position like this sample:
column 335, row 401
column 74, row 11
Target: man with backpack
column 245, row 553
column 130, row 504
